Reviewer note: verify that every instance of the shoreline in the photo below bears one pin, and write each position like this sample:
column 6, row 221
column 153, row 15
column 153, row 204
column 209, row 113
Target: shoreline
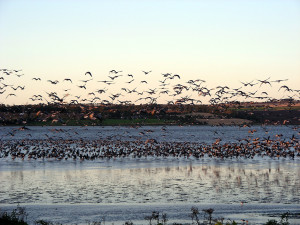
column 136, row 213
column 213, row 122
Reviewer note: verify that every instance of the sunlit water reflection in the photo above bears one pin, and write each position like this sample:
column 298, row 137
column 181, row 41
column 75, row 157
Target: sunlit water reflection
column 268, row 181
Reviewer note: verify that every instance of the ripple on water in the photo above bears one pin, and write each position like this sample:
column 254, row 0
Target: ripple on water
column 168, row 182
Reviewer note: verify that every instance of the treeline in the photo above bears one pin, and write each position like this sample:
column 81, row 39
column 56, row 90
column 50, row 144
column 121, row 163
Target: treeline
column 102, row 108
column 93, row 114
column 87, row 114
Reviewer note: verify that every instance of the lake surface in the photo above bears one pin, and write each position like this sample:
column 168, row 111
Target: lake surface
column 122, row 189
column 205, row 134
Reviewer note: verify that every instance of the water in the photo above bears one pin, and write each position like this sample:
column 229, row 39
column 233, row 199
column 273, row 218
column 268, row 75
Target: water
column 124, row 189
column 205, row 134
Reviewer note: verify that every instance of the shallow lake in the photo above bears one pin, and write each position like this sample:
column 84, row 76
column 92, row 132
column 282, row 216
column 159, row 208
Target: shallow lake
column 123, row 189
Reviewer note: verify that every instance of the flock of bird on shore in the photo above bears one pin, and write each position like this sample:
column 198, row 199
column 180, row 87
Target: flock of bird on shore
column 61, row 149
column 105, row 148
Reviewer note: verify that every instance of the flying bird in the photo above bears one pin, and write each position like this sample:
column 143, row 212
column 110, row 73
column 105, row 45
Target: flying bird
column 68, row 79
column 53, row 82
column 114, row 71
column 89, row 73
column 10, row 95
column 100, row 91
column 106, row 81
column 129, row 81
column 146, row 72
column 85, row 81
column 166, row 74
column 176, row 75
column 264, row 82
column 249, row 83
column 114, row 77
column 278, row 81
column 286, row 88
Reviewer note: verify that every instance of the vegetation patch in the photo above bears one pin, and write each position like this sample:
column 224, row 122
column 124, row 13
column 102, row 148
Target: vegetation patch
column 19, row 216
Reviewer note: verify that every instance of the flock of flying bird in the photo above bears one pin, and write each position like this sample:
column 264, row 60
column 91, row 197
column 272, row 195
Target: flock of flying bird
column 133, row 90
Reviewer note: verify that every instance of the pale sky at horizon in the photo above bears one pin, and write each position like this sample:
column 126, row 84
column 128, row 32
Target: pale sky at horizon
column 222, row 42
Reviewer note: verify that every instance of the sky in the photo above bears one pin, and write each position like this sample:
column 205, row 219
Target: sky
column 221, row 42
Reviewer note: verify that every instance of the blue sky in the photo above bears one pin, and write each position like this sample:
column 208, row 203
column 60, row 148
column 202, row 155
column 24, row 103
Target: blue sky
column 223, row 42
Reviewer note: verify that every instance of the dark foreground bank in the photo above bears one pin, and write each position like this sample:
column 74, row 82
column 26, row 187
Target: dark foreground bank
column 275, row 215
